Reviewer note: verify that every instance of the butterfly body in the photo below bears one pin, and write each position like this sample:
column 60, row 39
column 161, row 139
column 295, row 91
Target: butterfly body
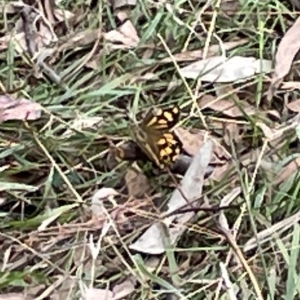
column 155, row 137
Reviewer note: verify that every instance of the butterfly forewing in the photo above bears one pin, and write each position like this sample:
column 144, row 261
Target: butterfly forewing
column 154, row 136
column 161, row 119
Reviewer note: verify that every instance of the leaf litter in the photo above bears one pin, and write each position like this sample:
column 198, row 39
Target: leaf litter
column 190, row 189
column 223, row 69
column 286, row 52
column 18, row 109
column 123, row 208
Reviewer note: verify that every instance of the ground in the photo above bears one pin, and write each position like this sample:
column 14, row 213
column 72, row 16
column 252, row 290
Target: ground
column 149, row 150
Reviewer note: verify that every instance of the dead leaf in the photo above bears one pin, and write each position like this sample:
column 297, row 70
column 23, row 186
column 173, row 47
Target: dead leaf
column 272, row 133
column 218, row 173
column 230, row 7
column 125, row 37
column 223, row 69
column 78, row 40
column 37, row 37
column 226, row 106
column 192, row 142
column 142, row 78
column 97, row 207
column 51, row 12
column 296, row 3
column 129, row 31
column 34, row 31
column 294, row 106
column 63, row 15
column 83, row 122
column 121, row 3
column 267, row 131
column 18, row 109
column 126, row 34
column 287, row 171
column 124, row 289
column 232, row 133
column 95, row 62
column 47, row 8
column 18, row 40
column 13, row 296
column 97, row 294
column 291, row 85
column 287, row 49
column 137, row 183
column 12, row 7
column 274, row 114
column 198, row 54
column 33, row 290
column 152, row 241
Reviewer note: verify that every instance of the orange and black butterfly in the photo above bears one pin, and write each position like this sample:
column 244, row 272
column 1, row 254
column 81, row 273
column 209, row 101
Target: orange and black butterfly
column 155, row 137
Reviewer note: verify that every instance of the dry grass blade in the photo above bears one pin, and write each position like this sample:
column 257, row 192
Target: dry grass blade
column 243, row 261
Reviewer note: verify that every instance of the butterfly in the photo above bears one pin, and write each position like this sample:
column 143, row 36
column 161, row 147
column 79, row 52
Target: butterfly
column 155, row 137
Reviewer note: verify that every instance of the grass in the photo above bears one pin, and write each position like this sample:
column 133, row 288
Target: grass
column 49, row 244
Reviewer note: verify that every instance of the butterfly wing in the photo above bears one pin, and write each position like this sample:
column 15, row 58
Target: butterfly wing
column 162, row 119
column 155, row 139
